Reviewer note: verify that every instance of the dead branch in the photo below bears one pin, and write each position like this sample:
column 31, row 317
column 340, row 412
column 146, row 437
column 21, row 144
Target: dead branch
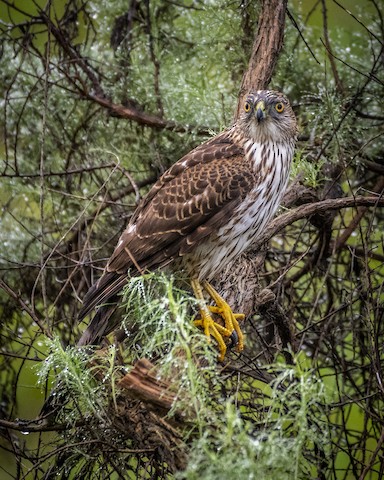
column 141, row 383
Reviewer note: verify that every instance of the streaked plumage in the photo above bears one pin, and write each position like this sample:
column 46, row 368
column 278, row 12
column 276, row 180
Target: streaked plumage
column 207, row 208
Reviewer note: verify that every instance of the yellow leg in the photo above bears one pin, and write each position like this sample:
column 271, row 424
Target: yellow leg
column 224, row 310
column 231, row 326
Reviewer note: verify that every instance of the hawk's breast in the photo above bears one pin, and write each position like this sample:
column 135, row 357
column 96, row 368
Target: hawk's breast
column 270, row 165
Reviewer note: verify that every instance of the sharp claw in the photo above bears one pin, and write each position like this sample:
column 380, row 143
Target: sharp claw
column 219, row 332
column 234, row 339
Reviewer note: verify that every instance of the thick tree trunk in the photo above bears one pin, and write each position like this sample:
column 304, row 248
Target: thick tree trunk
column 266, row 48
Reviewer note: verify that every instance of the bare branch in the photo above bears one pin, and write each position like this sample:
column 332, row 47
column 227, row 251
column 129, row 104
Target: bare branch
column 338, row 82
column 305, row 211
column 143, row 118
column 31, row 312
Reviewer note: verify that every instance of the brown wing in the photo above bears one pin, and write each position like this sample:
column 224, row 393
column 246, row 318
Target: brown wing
column 198, row 190
column 184, row 206
column 219, row 147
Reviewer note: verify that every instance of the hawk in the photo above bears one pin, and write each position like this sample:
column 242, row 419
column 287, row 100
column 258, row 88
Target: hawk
column 202, row 213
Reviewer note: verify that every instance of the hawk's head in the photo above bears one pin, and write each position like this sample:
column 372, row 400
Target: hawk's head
column 268, row 116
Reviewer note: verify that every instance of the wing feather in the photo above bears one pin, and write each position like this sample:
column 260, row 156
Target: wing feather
column 182, row 209
column 191, row 200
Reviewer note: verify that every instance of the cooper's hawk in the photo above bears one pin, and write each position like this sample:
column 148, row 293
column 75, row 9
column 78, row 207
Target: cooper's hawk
column 203, row 212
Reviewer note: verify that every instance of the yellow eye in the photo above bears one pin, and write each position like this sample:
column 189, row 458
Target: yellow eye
column 247, row 107
column 279, row 107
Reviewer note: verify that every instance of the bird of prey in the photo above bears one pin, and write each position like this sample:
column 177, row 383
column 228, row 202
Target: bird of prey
column 202, row 213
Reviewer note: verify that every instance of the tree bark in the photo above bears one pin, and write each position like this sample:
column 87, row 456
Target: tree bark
column 266, row 49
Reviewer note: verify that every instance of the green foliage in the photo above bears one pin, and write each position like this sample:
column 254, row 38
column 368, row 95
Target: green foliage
column 156, row 311
column 71, row 175
column 308, row 171
column 273, row 444
column 76, row 382
column 282, row 440
column 274, row 447
column 158, row 325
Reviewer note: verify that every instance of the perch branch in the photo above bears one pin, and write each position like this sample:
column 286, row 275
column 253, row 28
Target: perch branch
column 305, row 211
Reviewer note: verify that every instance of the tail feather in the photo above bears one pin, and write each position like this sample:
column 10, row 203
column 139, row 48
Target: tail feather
column 100, row 325
column 104, row 289
column 103, row 293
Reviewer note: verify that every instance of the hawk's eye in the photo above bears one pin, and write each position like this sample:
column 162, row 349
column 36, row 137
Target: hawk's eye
column 247, row 107
column 279, row 107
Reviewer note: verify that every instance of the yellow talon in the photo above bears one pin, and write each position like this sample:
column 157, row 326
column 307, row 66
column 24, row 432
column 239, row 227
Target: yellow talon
column 231, row 328
column 211, row 328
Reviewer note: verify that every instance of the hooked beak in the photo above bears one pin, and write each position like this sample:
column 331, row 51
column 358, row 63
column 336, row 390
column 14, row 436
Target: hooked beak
column 260, row 111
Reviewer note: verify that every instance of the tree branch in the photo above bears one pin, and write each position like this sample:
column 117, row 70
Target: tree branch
column 34, row 426
column 31, row 312
column 96, row 93
column 305, row 211
column 143, row 118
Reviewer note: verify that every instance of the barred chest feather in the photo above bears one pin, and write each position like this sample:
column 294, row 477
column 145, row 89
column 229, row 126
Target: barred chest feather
column 270, row 164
